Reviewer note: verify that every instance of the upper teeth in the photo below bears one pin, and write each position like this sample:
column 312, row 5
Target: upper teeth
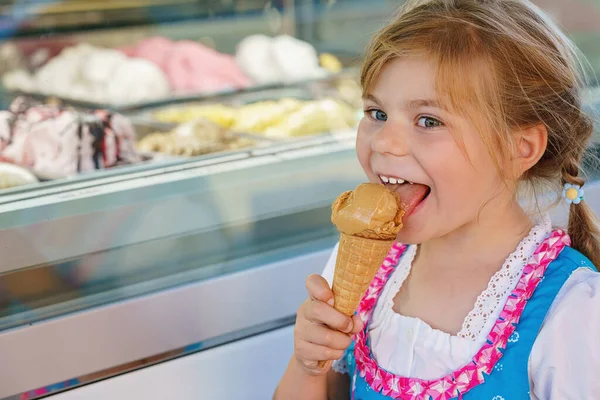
column 393, row 181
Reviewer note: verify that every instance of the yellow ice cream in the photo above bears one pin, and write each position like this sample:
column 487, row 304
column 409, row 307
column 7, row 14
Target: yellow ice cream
column 330, row 63
column 287, row 117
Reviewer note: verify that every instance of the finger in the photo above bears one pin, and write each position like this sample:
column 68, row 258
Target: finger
column 324, row 336
column 321, row 313
column 318, row 289
column 314, row 353
column 358, row 325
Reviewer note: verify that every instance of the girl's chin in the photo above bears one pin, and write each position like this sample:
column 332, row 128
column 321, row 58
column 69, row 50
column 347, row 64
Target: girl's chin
column 411, row 236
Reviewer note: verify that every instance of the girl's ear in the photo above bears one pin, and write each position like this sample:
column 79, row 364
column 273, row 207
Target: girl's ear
column 531, row 146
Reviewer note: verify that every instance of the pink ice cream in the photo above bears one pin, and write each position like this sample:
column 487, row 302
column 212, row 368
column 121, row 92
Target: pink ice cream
column 191, row 67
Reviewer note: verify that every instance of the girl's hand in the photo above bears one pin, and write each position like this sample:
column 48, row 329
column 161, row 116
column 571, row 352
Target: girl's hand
column 321, row 332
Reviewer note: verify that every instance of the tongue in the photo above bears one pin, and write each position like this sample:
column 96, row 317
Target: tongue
column 411, row 195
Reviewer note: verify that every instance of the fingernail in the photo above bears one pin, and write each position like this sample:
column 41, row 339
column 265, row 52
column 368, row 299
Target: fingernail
column 330, row 302
column 350, row 326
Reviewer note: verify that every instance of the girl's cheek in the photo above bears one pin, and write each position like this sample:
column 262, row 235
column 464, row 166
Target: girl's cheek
column 363, row 150
column 363, row 137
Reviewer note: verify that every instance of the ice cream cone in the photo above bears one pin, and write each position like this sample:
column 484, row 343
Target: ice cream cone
column 358, row 260
column 368, row 218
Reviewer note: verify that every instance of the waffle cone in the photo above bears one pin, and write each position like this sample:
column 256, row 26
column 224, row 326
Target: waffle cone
column 358, row 260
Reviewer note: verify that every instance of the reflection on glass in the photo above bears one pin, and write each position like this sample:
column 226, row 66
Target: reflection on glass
column 45, row 291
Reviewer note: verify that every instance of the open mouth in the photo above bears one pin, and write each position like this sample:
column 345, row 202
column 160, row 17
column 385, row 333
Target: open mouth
column 411, row 194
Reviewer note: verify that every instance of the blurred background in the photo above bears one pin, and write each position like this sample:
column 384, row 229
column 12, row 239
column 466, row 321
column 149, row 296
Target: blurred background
column 166, row 173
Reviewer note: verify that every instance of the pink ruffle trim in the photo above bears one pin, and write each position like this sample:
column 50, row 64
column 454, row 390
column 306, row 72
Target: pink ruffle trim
column 472, row 374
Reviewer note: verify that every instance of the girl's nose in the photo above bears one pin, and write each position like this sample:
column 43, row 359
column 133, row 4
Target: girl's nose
column 391, row 139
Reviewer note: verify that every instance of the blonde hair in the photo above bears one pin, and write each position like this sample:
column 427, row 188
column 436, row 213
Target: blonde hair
column 504, row 65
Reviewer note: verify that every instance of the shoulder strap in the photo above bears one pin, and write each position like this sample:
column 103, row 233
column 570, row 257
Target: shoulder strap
column 520, row 344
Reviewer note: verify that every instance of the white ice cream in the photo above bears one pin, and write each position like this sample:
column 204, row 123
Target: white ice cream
column 88, row 73
column 278, row 59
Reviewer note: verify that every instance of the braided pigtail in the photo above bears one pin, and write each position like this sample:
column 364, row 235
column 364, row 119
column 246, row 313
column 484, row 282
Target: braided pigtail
column 583, row 225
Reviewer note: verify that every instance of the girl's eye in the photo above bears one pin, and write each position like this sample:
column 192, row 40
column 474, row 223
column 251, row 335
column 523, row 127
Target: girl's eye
column 429, row 123
column 377, row 115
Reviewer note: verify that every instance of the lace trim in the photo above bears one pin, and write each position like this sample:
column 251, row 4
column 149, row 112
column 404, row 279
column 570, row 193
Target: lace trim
column 398, row 276
column 503, row 281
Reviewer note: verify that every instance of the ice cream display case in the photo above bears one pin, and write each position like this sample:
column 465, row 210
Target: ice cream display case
column 167, row 169
column 88, row 107
column 152, row 208
column 104, row 272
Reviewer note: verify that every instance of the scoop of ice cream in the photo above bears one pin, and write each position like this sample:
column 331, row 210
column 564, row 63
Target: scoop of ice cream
column 371, row 211
column 283, row 58
column 330, row 63
column 253, row 55
column 85, row 72
column 189, row 66
column 156, row 49
column 100, row 65
column 319, row 116
column 54, row 142
column 193, row 67
column 298, row 60
column 137, row 80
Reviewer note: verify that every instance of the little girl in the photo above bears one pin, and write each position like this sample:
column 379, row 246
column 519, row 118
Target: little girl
column 466, row 101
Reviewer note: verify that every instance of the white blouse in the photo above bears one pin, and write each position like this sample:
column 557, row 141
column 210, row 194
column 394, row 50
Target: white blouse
column 565, row 359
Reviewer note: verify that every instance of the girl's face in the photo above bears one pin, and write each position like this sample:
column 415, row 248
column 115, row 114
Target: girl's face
column 406, row 136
